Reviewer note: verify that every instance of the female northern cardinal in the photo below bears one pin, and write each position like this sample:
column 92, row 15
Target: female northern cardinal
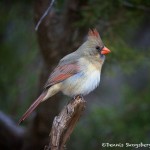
column 77, row 73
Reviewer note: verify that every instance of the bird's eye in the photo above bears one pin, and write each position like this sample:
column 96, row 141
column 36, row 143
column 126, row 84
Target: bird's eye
column 98, row 48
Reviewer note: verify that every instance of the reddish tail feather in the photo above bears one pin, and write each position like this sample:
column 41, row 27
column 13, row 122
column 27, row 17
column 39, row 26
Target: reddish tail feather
column 32, row 107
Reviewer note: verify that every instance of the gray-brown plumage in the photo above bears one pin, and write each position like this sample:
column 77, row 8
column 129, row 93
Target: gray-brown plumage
column 77, row 73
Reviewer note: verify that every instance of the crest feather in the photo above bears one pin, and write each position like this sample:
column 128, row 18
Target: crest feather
column 93, row 33
column 94, row 36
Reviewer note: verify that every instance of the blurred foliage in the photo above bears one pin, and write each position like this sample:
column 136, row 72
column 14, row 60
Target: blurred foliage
column 17, row 57
column 115, row 12
column 117, row 21
column 128, row 123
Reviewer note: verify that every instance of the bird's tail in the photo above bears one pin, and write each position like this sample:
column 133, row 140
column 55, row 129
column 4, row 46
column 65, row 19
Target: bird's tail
column 33, row 106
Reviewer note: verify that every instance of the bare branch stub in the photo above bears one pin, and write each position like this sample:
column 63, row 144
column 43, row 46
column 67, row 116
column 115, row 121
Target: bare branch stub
column 64, row 123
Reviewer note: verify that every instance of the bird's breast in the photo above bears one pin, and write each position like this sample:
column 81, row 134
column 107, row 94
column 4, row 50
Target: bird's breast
column 83, row 82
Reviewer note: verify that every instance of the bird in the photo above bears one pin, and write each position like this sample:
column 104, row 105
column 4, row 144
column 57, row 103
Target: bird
column 77, row 73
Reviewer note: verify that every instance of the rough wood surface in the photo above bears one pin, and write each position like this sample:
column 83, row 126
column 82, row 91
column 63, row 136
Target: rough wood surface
column 64, row 123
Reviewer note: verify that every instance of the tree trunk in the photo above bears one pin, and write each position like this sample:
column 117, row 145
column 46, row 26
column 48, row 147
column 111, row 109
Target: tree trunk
column 57, row 36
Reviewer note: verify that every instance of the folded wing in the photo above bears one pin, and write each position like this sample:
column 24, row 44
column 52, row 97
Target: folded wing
column 61, row 73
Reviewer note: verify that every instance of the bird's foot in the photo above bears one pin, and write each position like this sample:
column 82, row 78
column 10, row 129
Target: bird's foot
column 78, row 96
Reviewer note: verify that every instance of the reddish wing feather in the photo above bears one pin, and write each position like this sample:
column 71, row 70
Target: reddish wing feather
column 61, row 73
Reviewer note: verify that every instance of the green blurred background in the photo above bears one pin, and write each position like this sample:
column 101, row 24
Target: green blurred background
column 119, row 110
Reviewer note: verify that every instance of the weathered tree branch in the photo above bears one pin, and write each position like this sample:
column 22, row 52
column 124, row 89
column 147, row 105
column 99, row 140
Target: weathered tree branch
column 64, row 123
column 11, row 136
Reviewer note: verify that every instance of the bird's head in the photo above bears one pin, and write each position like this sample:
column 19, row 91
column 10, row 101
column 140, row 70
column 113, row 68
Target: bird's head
column 94, row 45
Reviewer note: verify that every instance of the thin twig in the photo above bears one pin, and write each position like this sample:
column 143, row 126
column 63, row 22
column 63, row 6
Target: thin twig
column 140, row 7
column 44, row 15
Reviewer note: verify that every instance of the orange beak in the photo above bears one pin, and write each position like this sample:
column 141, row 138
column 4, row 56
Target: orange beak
column 105, row 50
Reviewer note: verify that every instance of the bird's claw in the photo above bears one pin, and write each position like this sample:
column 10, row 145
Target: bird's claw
column 78, row 97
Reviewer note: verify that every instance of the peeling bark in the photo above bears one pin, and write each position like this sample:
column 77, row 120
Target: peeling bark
column 64, row 123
